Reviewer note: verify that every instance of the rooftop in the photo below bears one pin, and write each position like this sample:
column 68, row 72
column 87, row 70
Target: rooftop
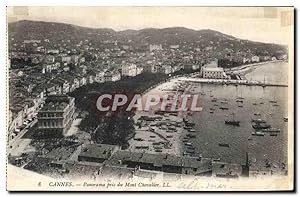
column 213, row 69
column 54, row 106
column 159, row 160
column 102, row 151
column 56, row 103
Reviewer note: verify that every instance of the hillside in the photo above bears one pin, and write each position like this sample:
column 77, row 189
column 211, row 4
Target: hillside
column 56, row 32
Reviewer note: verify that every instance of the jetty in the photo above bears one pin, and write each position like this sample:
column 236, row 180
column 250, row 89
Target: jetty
column 232, row 82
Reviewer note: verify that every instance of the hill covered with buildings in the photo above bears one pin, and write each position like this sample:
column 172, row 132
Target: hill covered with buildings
column 180, row 42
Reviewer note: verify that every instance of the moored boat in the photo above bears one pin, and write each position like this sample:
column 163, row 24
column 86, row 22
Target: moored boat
column 190, row 135
column 233, row 121
column 224, row 102
column 214, row 100
column 224, row 145
column 271, row 130
column 273, row 101
column 258, row 133
column 261, row 126
column 224, row 108
column 190, row 151
column 190, row 147
column 258, row 120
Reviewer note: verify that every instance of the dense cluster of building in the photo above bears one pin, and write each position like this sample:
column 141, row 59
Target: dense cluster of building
column 39, row 68
column 111, row 156
column 37, row 71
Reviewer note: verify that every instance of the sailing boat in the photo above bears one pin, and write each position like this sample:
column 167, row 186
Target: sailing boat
column 210, row 93
column 233, row 121
column 240, row 97
column 274, row 100
column 264, row 84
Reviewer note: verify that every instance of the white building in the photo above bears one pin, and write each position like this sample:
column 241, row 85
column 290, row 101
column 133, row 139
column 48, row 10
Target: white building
column 213, row 73
column 99, row 76
column 174, row 46
column 255, row 59
column 129, row 70
column 53, row 51
column 245, row 60
column 112, row 76
column 139, row 70
column 167, row 69
column 155, row 47
column 150, row 68
column 66, row 59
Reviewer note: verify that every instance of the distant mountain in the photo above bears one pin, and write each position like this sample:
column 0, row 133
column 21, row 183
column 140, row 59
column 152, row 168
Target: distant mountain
column 25, row 29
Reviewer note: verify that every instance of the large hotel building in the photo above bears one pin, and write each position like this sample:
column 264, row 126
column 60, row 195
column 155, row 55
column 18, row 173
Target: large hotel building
column 57, row 114
column 212, row 71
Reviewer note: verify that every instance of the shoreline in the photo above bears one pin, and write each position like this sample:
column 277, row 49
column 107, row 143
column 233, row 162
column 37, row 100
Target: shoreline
column 249, row 66
column 160, row 133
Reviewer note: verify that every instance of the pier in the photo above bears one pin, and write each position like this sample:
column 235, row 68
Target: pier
column 232, row 82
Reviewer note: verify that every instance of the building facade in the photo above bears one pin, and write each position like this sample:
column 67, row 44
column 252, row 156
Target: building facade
column 155, row 47
column 166, row 69
column 112, row 76
column 129, row 70
column 57, row 114
column 255, row 59
column 213, row 73
column 150, row 68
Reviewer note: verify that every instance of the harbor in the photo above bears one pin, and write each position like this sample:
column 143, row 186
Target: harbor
column 125, row 99
column 235, row 121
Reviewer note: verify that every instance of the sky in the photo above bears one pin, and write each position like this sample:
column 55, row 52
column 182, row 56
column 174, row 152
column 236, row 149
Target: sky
column 264, row 24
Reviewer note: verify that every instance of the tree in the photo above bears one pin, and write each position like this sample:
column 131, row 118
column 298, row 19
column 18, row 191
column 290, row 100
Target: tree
column 115, row 129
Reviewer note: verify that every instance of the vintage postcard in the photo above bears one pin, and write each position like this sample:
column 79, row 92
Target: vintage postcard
column 150, row 98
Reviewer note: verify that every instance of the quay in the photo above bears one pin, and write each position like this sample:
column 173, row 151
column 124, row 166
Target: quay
column 231, row 82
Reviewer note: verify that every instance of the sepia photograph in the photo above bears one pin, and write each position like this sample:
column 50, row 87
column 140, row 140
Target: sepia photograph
column 181, row 98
